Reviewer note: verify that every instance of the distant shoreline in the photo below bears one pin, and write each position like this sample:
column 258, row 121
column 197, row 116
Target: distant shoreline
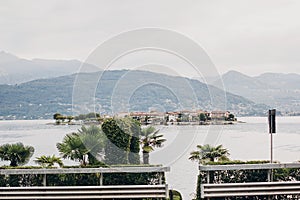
column 166, row 124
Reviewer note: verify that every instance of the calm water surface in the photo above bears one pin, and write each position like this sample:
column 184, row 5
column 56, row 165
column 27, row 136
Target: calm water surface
column 245, row 141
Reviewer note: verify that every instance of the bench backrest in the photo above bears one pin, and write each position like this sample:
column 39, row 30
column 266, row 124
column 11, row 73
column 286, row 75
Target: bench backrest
column 85, row 192
column 250, row 189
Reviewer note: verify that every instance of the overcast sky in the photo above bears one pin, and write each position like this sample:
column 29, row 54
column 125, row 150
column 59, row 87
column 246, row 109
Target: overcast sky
column 253, row 37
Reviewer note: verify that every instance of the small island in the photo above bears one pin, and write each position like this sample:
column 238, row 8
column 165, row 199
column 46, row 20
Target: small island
column 184, row 117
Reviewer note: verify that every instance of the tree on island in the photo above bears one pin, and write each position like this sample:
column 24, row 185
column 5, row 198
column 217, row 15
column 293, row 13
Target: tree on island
column 85, row 146
column 57, row 117
column 49, row 161
column 17, row 154
column 149, row 140
column 69, row 118
column 60, row 118
column 202, row 117
column 208, row 153
column 89, row 116
column 230, row 117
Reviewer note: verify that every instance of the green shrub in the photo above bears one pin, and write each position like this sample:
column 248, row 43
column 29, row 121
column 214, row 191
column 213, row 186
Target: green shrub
column 80, row 179
column 175, row 195
column 2, row 181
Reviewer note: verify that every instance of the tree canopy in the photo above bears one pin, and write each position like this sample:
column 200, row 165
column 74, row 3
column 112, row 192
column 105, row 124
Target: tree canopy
column 17, row 154
column 208, row 153
column 49, row 161
column 85, row 146
column 122, row 146
column 149, row 140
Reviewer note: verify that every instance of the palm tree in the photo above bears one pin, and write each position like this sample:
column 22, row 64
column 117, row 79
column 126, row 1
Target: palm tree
column 208, row 153
column 49, row 161
column 83, row 146
column 17, row 154
column 71, row 147
column 149, row 140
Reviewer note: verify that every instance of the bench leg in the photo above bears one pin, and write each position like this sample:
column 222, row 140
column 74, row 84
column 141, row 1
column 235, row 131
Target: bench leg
column 44, row 180
column 101, row 179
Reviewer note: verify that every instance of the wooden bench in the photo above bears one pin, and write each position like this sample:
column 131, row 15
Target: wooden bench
column 210, row 190
column 159, row 191
column 85, row 192
column 250, row 189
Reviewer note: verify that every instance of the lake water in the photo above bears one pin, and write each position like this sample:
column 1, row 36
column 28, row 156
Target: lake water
column 245, row 141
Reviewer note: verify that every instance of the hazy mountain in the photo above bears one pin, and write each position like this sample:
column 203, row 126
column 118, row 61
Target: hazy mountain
column 14, row 70
column 115, row 92
column 280, row 80
column 278, row 90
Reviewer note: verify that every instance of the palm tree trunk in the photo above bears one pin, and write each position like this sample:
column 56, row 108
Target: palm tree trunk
column 146, row 157
column 13, row 162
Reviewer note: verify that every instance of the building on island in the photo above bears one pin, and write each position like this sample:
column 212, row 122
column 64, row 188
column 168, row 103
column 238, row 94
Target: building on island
column 179, row 117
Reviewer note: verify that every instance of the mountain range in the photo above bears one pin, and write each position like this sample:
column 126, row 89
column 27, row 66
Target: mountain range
column 277, row 90
column 38, row 88
column 15, row 70
column 117, row 91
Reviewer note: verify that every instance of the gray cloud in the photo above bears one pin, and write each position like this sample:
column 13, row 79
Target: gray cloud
column 252, row 36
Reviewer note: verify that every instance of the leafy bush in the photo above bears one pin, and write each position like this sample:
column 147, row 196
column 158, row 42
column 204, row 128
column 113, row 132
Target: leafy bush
column 80, row 179
column 175, row 195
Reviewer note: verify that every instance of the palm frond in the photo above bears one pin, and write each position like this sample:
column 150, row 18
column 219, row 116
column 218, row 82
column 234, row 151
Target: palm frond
column 207, row 153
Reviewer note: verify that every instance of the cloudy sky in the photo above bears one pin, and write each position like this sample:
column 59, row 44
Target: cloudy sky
column 251, row 36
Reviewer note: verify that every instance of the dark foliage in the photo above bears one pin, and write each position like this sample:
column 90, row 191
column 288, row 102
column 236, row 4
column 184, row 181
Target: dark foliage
column 122, row 146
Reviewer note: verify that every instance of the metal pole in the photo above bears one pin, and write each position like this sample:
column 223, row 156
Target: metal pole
column 271, row 170
column 271, row 147
column 272, row 129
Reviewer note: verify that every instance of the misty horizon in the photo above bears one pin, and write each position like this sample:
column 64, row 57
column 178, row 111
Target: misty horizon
column 119, row 67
